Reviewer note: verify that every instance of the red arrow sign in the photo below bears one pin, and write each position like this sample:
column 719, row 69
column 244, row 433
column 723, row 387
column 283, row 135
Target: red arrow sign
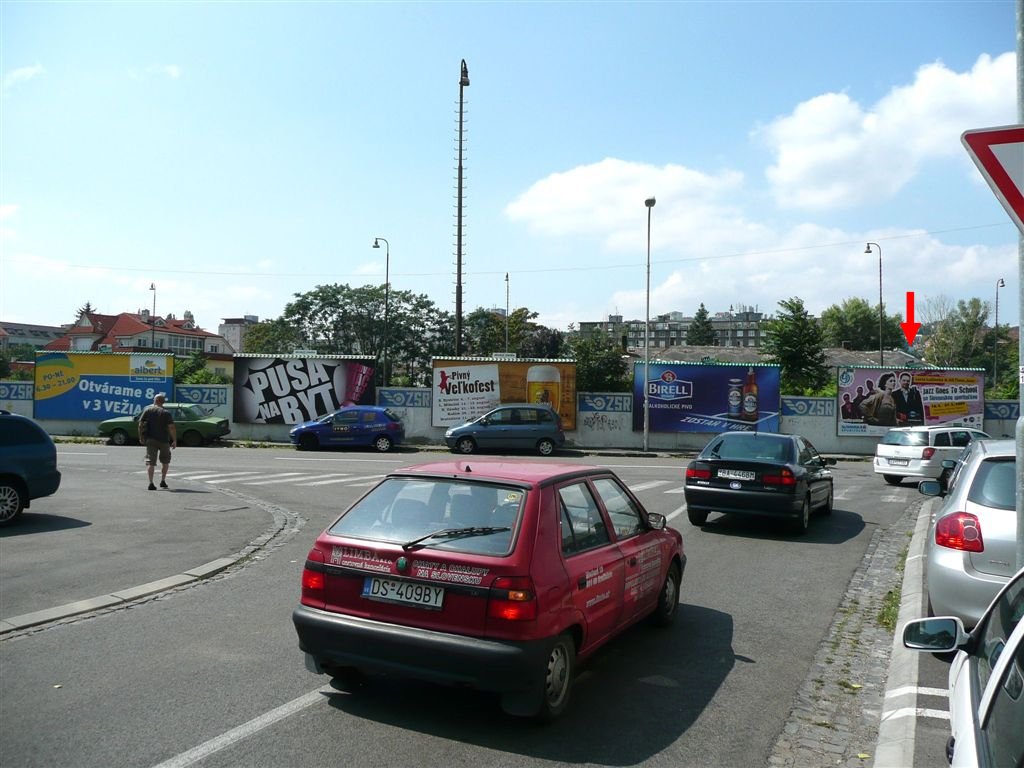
column 910, row 328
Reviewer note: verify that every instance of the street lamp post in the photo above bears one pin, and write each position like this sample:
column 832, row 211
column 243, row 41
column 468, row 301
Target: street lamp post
column 881, row 311
column 387, row 297
column 649, row 202
column 152, row 319
column 1000, row 283
column 506, row 313
column 463, row 82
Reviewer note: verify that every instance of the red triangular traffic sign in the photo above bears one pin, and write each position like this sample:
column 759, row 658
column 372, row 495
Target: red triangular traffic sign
column 999, row 155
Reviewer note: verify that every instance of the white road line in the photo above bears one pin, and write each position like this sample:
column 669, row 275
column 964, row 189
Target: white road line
column 675, row 513
column 244, row 731
column 210, row 476
column 896, row 714
column 680, row 489
column 346, row 459
column 906, row 689
column 895, row 497
column 648, row 486
column 295, row 477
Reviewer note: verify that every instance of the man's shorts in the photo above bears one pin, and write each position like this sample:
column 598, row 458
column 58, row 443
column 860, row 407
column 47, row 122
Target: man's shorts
column 155, row 449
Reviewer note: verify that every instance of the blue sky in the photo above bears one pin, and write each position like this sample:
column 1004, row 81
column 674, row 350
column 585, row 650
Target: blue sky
column 236, row 154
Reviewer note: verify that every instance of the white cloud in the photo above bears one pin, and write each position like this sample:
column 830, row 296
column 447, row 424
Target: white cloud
column 22, row 75
column 830, row 152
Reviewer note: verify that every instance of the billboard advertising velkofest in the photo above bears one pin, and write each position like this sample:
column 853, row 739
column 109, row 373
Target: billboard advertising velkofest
column 291, row 390
column 707, row 397
column 872, row 400
column 465, row 388
column 99, row 385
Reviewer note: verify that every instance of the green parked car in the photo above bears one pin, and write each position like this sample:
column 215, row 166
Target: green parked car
column 194, row 428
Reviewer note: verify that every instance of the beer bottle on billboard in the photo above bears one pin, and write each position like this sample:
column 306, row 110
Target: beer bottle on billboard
column 750, row 407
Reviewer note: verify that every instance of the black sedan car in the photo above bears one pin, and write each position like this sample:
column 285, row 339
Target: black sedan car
column 762, row 474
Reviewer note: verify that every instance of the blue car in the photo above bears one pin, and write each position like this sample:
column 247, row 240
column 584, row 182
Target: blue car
column 354, row 425
column 28, row 465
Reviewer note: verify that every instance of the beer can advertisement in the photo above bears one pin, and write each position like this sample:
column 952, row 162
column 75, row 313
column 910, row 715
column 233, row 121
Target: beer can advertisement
column 870, row 401
column 465, row 389
column 291, row 390
column 99, row 385
column 688, row 397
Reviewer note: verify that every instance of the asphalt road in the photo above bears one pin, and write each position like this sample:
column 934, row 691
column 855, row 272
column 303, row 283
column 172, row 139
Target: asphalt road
column 209, row 673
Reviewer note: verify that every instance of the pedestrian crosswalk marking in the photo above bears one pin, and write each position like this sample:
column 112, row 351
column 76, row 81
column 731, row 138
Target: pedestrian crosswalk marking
column 648, row 486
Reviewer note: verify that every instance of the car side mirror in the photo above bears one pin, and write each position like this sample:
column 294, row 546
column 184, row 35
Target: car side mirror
column 948, row 463
column 829, row 462
column 484, row 421
column 930, row 488
column 656, row 520
column 938, row 635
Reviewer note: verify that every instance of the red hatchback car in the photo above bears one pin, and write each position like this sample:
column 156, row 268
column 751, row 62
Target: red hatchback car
column 496, row 575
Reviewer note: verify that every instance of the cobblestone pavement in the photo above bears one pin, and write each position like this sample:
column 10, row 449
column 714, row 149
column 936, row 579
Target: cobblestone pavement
column 835, row 716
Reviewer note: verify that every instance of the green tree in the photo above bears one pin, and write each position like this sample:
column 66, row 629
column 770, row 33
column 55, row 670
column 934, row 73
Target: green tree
column 793, row 340
column 957, row 337
column 86, row 308
column 701, row 332
column 193, row 370
column 854, row 324
column 543, row 342
column 600, row 364
column 272, row 337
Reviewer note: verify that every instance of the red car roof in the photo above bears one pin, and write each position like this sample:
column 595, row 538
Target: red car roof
column 501, row 469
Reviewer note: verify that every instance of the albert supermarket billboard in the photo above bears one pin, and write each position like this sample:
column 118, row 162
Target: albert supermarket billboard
column 465, row 388
column 707, row 397
column 870, row 401
column 99, row 385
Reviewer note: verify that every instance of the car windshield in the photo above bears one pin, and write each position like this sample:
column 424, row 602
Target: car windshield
column 190, row 412
column 897, row 437
column 995, row 484
column 404, row 510
column 750, row 447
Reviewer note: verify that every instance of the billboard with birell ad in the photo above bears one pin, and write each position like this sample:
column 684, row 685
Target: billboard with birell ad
column 703, row 397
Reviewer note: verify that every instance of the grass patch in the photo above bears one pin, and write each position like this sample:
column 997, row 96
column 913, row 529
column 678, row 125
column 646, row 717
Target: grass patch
column 890, row 610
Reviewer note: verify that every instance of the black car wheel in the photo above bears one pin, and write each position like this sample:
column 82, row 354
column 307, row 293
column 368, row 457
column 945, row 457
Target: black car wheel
column 802, row 523
column 558, row 676
column 465, row 445
column 668, row 599
column 12, row 502
column 893, row 479
column 119, row 437
column 308, row 442
column 382, row 443
column 192, row 439
column 697, row 516
column 830, row 502
column 545, row 447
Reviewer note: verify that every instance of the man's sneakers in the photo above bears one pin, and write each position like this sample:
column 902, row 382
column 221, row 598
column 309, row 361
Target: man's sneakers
column 151, row 487
column 163, row 483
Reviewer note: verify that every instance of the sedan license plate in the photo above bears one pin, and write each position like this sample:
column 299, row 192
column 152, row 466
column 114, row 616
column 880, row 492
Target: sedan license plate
column 898, row 462
column 736, row 474
column 406, row 592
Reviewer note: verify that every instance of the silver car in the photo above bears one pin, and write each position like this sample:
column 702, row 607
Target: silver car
column 971, row 549
column 986, row 679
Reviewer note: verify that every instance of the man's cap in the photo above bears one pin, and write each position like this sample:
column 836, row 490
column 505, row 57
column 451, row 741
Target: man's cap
column 160, row 396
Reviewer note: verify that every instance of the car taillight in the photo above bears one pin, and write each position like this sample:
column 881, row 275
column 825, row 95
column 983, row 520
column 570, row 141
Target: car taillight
column 394, row 426
column 927, row 453
column 784, row 477
column 313, row 581
column 512, row 598
column 960, row 530
column 694, row 473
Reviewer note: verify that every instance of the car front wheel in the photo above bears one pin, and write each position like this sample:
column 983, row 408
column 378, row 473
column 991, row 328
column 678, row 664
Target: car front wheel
column 830, row 502
column 119, row 437
column 308, row 442
column 668, row 600
column 12, row 502
column 465, row 445
column 382, row 443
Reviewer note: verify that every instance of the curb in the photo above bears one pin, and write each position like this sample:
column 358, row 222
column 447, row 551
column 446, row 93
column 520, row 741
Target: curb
column 896, row 730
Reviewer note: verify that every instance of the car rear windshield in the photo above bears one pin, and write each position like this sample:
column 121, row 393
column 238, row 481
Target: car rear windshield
column 995, row 484
column 895, row 437
column 745, row 448
column 392, row 415
column 404, row 510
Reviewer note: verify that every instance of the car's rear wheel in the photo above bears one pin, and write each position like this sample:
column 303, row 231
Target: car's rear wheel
column 802, row 523
column 308, row 442
column 893, row 479
column 545, row 447
column 465, row 445
column 382, row 443
column 192, row 439
column 697, row 516
column 119, row 437
column 668, row 599
column 558, row 677
column 12, row 502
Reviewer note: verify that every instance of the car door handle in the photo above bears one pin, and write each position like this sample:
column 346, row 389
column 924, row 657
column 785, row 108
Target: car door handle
column 582, row 583
column 632, row 561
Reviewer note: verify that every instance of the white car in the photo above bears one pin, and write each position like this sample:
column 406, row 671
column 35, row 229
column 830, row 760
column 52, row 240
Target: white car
column 920, row 451
column 986, row 679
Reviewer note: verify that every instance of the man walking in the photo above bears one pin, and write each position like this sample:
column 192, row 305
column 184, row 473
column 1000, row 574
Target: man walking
column 157, row 432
